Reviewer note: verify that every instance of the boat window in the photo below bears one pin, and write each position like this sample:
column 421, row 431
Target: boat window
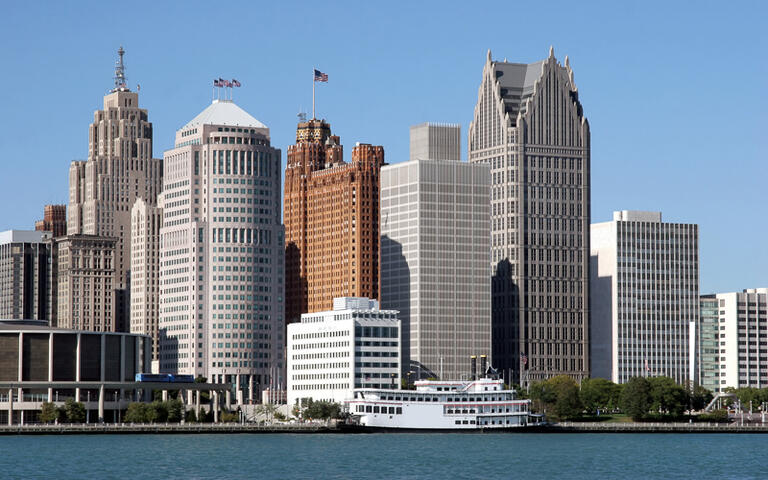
column 450, row 411
column 399, row 410
column 376, row 409
column 472, row 422
column 458, row 422
column 391, row 410
column 368, row 409
column 397, row 398
column 464, row 422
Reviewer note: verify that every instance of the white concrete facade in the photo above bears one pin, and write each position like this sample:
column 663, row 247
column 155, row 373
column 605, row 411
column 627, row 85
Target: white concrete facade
column 355, row 345
column 743, row 338
column 222, row 253
column 435, row 256
column 644, row 297
column 145, row 272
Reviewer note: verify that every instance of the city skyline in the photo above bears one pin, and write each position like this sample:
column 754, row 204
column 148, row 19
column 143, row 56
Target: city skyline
column 655, row 83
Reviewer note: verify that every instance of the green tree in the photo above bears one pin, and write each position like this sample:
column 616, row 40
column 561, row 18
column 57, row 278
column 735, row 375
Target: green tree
column 636, row 398
column 156, row 412
column 190, row 416
column 700, row 397
column 229, row 417
column 599, row 393
column 667, row 397
column 136, row 413
column 75, row 411
column 567, row 403
column 175, row 410
column 48, row 412
column 321, row 409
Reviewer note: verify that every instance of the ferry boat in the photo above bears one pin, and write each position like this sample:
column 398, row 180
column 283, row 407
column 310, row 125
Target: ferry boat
column 481, row 404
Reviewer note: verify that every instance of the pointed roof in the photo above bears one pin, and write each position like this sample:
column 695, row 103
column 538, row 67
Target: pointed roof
column 224, row 112
column 516, row 81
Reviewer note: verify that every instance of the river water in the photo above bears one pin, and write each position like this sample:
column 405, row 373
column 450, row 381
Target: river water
column 386, row 456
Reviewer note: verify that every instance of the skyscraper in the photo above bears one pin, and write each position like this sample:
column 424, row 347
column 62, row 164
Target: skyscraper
column 221, row 253
column 54, row 220
column 331, row 221
column 645, row 296
column 529, row 127
column 435, row 254
column 25, row 277
column 119, row 170
column 146, row 221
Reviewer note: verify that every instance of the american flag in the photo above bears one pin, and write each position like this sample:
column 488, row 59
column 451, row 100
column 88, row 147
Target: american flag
column 227, row 83
column 524, row 358
column 235, row 83
column 216, row 83
column 320, row 76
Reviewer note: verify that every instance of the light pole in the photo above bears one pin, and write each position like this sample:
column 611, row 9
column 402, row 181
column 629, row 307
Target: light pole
column 87, row 408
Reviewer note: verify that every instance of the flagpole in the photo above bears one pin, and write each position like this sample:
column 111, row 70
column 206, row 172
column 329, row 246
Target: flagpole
column 313, row 93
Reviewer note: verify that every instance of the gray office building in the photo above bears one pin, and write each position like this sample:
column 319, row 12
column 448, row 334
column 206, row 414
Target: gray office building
column 435, row 252
column 25, row 276
column 645, row 297
column 530, row 128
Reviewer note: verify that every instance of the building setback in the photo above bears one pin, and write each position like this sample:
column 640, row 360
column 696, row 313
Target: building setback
column 331, row 221
column 707, row 344
column 146, row 221
column 435, row 252
column 54, row 220
column 355, row 345
column 85, row 269
column 743, row 339
column 119, row 170
column 645, row 296
column 221, row 253
column 25, row 276
column 529, row 127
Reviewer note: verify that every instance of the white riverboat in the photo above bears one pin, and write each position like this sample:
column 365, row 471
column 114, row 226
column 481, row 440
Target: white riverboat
column 440, row 405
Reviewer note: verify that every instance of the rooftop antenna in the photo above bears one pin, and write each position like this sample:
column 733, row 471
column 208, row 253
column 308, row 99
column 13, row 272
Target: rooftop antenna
column 120, row 71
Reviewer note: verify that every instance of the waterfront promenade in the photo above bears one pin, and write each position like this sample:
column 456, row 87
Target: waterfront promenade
column 321, row 427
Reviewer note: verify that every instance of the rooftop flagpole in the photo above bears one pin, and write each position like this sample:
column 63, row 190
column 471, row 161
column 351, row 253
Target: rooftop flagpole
column 313, row 93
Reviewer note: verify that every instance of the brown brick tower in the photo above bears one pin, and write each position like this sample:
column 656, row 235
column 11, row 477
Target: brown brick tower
column 54, row 220
column 331, row 221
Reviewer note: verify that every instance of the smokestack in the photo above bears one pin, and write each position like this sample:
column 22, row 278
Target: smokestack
column 483, row 364
column 473, row 367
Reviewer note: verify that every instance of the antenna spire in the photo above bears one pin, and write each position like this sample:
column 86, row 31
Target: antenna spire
column 120, row 83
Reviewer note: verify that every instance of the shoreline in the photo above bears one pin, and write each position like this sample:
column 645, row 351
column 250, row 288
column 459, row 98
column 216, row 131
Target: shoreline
column 236, row 428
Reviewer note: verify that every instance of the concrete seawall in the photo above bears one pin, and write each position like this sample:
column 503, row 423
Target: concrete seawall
column 163, row 428
column 650, row 427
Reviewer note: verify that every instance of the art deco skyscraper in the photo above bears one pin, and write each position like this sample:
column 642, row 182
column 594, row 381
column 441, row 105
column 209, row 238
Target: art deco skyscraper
column 530, row 128
column 331, row 221
column 221, row 253
column 54, row 220
column 119, row 169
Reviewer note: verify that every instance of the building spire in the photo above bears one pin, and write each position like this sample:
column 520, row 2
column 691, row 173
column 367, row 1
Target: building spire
column 120, row 83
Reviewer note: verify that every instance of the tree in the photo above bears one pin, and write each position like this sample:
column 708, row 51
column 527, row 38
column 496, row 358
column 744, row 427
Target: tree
column 75, row 411
column 700, row 397
column 599, row 393
column 136, row 413
column 190, row 416
column 321, row 409
column 49, row 413
column 636, row 398
column 667, row 397
column 175, row 410
column 559, row 396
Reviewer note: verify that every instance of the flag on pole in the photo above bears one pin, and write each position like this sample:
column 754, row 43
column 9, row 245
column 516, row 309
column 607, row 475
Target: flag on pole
column 216, row 83
column 227, row 83
column 524, row 359
column 320, row 76
column 235, row 83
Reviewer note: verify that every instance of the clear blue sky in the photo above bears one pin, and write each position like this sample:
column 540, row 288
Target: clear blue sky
column 675, row 92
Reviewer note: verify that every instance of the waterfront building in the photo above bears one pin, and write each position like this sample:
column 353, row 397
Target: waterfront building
column 54, row 220
column 435, row 252
column 25, row 276
column 743, row 338
column 331, row 220
column 85, row 273
column 530, row 128
column 145, row 272
column 706, row 345
column 645, row 297
column 222, row 253
column 119, row 170
column 355, row 345
column 42, row 363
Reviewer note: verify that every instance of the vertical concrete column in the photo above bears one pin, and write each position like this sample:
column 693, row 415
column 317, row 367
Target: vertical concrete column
column 197, row 405
column 215, row 406
column 50, row 365
column 228, row 399
column 101, row 403
column 77, row 367
column 165, row 395
column 250, row 389
column 10, row 406
column 238, row 391
column 21, row 363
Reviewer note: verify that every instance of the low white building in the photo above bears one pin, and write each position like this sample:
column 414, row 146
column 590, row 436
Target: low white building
column 355, row 345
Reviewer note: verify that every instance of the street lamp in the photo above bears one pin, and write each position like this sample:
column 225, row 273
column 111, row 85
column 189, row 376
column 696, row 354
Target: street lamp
column 87, row 408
